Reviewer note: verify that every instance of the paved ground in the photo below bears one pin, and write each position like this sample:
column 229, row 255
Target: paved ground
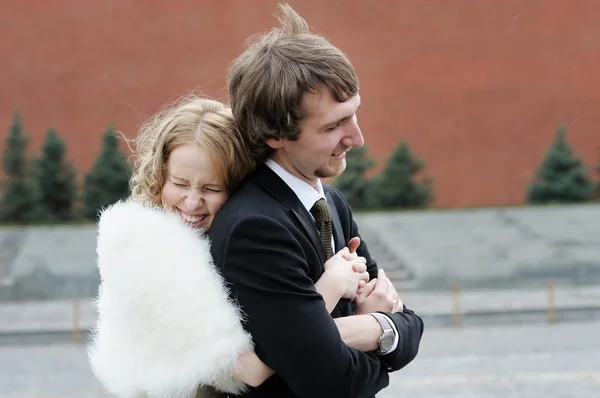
column 518, row 361
column 532, row 361
column 437, row 308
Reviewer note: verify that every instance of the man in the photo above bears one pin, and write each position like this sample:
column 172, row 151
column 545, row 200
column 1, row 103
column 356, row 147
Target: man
column 294, row 97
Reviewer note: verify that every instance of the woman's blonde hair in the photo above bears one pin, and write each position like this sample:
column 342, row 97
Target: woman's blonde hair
column 191, row 119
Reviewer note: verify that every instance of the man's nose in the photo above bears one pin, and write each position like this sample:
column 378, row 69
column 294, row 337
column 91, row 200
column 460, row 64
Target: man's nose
column 354, row 137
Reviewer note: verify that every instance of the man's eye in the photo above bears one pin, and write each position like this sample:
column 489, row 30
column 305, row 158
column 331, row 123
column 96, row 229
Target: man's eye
column 333, row 128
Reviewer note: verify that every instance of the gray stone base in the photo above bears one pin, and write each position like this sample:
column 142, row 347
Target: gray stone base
column 424, row 250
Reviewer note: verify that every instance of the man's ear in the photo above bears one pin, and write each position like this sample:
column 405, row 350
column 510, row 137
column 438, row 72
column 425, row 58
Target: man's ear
column 275, row 143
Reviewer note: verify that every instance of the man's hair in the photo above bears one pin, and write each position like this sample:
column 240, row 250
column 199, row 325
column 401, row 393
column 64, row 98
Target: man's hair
column 268, row 81
column 191, row 119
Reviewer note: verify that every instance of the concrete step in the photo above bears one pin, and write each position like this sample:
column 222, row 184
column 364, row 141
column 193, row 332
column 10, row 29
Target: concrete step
column 11, row 241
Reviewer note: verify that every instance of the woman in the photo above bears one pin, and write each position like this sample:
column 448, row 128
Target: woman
column 166, row 326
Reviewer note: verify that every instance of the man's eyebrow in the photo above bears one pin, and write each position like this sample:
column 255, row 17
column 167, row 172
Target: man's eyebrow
column 336, row 121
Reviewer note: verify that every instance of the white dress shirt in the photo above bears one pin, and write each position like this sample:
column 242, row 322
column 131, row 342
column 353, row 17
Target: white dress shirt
column 308, row 197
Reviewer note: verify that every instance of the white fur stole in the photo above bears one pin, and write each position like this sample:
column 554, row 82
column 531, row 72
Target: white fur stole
column 165, row 323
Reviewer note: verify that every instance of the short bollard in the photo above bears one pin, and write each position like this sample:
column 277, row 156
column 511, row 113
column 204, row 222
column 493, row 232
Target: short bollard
column 551, row 302
column 456, row 304
column 76, row 327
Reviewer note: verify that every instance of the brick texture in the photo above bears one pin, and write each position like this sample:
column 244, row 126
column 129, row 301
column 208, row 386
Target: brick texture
column 477, row 88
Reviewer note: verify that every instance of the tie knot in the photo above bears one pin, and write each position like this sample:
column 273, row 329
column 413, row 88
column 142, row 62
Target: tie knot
column 320, row 211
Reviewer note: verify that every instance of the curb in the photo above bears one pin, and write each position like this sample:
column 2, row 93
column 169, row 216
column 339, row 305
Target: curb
column 435, row 320
column 519, row 316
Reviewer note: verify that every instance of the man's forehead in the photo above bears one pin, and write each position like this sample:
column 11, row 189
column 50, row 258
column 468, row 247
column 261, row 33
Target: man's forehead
column 321, row 103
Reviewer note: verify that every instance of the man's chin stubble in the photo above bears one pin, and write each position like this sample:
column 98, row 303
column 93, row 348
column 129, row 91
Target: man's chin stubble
column 331, row 172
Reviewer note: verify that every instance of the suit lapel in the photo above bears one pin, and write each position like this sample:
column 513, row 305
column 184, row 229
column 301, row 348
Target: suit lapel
column 344, row 307
column 338, row 236
column 311, row 231
column 277, row 188
column 268, row 180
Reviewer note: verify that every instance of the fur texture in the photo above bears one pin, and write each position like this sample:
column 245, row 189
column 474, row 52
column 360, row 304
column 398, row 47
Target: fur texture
column 165, row 322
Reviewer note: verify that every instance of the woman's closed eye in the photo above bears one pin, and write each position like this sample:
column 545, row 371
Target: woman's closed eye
column 207, row 188
column 212, row 189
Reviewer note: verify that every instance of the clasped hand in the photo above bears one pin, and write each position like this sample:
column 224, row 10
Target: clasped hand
column 350, row 270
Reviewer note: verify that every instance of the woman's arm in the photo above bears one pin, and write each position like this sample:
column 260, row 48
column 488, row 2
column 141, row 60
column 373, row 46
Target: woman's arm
column 251, row 370
column 330, row 288
column 342, row 277
column 345, row 275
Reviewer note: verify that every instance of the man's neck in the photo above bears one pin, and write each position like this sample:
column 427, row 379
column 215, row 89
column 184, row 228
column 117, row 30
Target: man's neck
column 307, row 194
column 313, row 182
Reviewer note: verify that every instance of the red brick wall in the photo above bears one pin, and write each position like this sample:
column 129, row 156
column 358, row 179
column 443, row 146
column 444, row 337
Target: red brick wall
column 477, row 88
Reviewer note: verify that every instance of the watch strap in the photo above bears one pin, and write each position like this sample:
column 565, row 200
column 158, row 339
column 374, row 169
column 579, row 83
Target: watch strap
column 386, row 328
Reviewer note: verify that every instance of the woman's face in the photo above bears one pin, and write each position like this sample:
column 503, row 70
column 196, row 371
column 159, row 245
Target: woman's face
column 191, row 188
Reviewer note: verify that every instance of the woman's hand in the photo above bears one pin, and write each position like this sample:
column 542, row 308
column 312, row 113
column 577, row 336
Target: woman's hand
column 352, row 247
column 347, row 271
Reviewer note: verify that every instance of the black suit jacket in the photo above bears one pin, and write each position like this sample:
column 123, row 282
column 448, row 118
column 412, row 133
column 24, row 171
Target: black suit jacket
column 268, row 249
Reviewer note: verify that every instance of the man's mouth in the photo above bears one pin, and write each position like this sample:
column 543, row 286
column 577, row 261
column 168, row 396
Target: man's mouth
column 339, row 155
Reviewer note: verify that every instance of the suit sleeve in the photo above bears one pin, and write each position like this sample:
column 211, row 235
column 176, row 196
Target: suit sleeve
column 409, row 325
column 410, row 331
column 287, row 318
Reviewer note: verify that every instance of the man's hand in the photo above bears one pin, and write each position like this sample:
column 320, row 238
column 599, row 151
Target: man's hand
column 378, row 295
column 353, row 244
column 351, row 255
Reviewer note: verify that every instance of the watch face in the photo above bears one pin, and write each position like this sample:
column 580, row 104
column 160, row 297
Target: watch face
column 387, row 341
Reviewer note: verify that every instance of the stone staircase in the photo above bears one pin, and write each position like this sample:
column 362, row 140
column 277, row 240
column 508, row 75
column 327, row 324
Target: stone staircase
column 427, row 250
column 11, row 242
column 396, row 269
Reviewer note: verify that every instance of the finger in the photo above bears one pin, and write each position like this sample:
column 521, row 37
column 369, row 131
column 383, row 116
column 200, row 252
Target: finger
column 369, row 287
column 343, row 251
column 353, row 244
column 390, row 288
column 393, row 295
column 399, row 305
column 350, row 256
column 382, row 287
column 363, row 276
column 360, row 259
column 358, row 267
column 388, row 282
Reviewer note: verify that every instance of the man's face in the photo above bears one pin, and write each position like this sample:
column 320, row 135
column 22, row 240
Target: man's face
column 327, row 132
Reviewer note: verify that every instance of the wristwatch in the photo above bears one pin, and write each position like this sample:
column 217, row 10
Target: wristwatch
column 386, row 340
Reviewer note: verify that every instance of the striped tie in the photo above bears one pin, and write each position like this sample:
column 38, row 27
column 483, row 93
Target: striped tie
column 322, row 215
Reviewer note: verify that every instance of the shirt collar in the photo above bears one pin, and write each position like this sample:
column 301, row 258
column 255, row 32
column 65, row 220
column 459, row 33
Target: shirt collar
column 306, row 193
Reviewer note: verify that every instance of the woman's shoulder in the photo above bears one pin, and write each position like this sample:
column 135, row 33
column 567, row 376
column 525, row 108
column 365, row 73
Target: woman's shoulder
column 145, row 244
column 164, row 315
column 128, row 215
